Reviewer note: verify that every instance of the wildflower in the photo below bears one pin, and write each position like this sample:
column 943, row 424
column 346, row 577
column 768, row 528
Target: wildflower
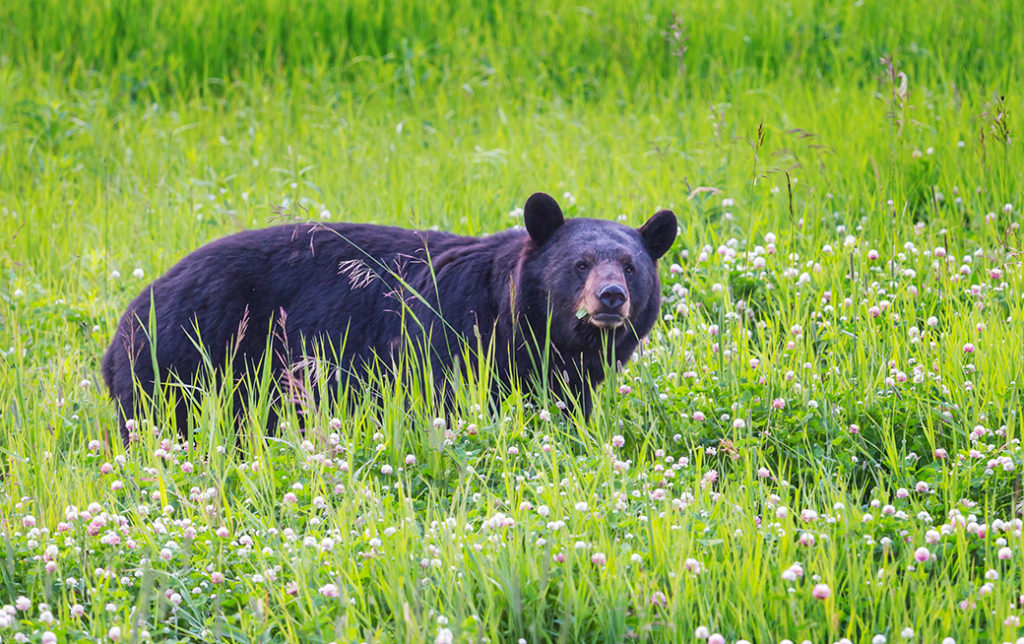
column 793, row 573
column 1005, row 553
column 658, row 598
column 701, row 632
column 329, row 590
column 444, row 636
column 598, row 559
column 922, row 554
column 709, row 478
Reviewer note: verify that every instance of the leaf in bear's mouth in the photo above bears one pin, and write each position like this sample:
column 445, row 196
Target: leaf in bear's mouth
column 581, row 313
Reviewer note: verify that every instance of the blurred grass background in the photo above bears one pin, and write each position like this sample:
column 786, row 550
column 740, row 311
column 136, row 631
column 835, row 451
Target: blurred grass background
column 575, row 51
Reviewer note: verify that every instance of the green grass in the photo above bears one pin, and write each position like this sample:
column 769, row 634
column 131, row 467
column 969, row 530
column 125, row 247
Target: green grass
column 133, row 132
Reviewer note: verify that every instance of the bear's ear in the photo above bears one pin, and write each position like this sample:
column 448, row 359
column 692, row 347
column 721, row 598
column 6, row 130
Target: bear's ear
column 659, row 232
column 543, row 217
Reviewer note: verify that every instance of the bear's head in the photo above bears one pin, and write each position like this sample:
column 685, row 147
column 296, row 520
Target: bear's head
column 595, row 274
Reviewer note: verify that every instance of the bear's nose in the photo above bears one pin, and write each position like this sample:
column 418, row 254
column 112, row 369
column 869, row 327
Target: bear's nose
column 613, row 296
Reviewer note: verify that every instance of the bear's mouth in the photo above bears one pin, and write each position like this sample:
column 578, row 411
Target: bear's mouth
column 606, row 320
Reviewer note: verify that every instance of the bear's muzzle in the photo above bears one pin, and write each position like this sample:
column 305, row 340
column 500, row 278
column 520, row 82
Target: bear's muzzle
column 605, row 297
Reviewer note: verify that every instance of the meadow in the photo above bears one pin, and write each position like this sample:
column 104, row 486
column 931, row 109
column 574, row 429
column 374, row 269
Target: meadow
column 819, row 443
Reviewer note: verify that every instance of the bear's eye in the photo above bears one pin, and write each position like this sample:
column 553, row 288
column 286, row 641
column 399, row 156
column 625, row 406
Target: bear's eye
column 628, row 269
column 582, row 266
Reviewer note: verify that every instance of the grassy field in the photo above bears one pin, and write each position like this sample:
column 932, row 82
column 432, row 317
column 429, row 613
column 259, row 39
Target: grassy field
column 820, row 442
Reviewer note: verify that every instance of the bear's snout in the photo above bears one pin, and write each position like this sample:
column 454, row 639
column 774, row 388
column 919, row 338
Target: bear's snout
column 613, row 296
column 606, row 298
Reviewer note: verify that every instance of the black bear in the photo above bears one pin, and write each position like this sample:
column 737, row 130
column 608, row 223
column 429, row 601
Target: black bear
column 580, row 293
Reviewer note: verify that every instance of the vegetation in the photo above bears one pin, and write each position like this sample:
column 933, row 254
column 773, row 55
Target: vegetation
column 820, row 441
